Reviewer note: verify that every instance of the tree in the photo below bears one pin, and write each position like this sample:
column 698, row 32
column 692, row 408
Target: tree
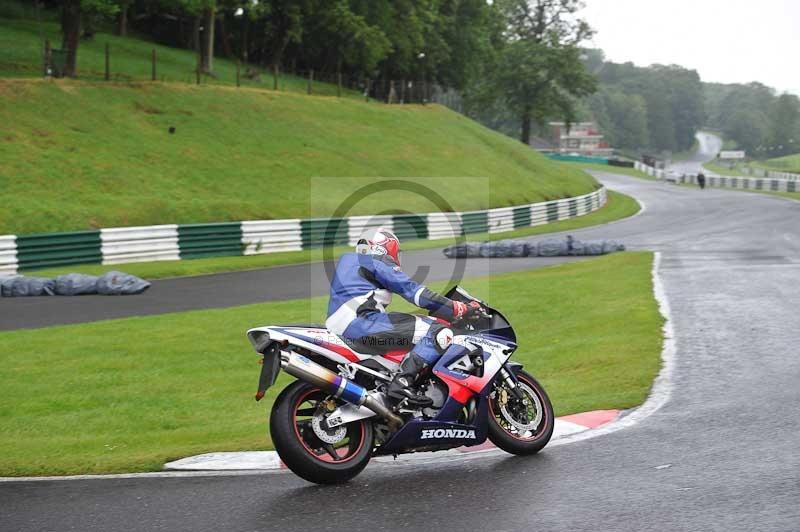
column 338, row 35
column 538, row 71
column 72, row 13
column 784, row 126
column 122, row 17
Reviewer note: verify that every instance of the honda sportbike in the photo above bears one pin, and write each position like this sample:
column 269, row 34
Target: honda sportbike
column 328, row 423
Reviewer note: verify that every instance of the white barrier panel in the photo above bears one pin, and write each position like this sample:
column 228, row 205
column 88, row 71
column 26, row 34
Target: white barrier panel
column 271, row 236
column 139, row 244
column 8, row 254
column 358, row 225
column 501, row 220
column 443, row 225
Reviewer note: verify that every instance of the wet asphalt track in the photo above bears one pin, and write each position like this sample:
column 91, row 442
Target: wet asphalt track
column 722, row 454
column 231, row 289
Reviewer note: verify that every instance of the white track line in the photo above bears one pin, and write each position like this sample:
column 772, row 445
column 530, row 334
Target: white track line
column 659, row 395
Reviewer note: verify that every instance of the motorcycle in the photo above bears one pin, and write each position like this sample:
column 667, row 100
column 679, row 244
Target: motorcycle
column 328, row 424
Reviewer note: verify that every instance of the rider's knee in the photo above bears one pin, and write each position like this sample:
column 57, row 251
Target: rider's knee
column 442, row 338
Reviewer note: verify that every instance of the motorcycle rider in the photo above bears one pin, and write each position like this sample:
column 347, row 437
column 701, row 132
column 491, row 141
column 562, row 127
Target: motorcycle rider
column 361, row 290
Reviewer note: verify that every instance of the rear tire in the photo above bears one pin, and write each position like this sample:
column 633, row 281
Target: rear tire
column 519, row 428
column 303, row 451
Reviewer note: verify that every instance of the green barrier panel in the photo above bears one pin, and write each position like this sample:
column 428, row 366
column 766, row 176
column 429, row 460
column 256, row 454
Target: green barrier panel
column 577, row 158
column 573, row 208
column 410, row 226
column 552, row 212
column 46, row 250
column 324, row 232
column 774, row 185
column 475, row 222
column 759, row 184
column 522, row 217
column 588, row 204
column 210, row 240
column 734, row 182
column 791, row 186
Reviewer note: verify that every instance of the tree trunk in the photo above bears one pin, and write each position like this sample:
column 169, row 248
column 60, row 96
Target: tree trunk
column 71, row 30
column 196, row 34
column 525, row 137
column 209, row 17
column 122, row 21
column 246, row 40
column 277, row 53
column 227, row 50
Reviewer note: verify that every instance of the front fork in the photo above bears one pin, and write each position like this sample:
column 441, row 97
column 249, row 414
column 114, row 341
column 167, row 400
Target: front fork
column 508, row 373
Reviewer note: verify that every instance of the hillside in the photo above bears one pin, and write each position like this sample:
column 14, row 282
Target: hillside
column 130, row 59
column 788, row 163
column 77, row 155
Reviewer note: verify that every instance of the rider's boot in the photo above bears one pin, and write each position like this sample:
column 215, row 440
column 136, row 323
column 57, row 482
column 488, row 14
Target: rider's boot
column 403, row 386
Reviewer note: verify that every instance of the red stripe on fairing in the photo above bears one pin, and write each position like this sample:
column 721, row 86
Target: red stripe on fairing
column 457, row 390
column 396, row 356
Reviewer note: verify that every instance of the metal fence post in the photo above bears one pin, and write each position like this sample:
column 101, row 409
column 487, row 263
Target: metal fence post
column 47, row 58
column 108, row 64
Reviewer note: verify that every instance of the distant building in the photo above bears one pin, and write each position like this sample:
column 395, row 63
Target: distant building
column 583, row 138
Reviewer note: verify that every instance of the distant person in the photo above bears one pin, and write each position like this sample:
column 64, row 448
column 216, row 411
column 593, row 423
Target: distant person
column 701, row 180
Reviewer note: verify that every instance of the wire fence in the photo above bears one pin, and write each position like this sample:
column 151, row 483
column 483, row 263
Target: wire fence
column 118, row 63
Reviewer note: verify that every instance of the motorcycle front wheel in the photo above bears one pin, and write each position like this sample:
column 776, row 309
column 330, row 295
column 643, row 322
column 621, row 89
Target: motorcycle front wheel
column 520, row 425
column 307, row 446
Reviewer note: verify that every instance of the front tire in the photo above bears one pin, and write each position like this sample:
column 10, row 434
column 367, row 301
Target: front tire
column 300, row 446
column 521, row 427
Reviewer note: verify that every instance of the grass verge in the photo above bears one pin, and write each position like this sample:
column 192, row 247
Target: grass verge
column 128, row 395
column 618, row 206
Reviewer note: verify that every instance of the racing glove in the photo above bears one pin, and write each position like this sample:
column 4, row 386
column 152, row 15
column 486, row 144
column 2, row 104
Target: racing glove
column 465, row 311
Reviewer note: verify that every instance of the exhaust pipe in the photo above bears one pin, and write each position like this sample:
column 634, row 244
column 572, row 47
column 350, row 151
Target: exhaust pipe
column 323, row 378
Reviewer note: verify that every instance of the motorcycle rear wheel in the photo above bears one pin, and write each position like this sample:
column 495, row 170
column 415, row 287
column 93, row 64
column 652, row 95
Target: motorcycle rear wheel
column 521, row 427
column 301, row 448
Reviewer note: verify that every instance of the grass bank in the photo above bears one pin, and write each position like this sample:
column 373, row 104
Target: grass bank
column 128, row 395
column 79, row 155
column 618, row 206
column 612, row 170
column 723, row 170
column 788, row 163
column 130, row 59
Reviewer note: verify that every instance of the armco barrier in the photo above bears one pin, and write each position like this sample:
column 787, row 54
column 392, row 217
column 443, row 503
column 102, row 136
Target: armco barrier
column 139, row 244
column 174, row 242
column 649, row 170
column 745, row 183
column 58, row 249
column 8, row 254
column 769, row 174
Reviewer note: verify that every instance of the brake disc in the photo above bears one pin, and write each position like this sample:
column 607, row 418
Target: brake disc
column 529, row 396
column 333, row 435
